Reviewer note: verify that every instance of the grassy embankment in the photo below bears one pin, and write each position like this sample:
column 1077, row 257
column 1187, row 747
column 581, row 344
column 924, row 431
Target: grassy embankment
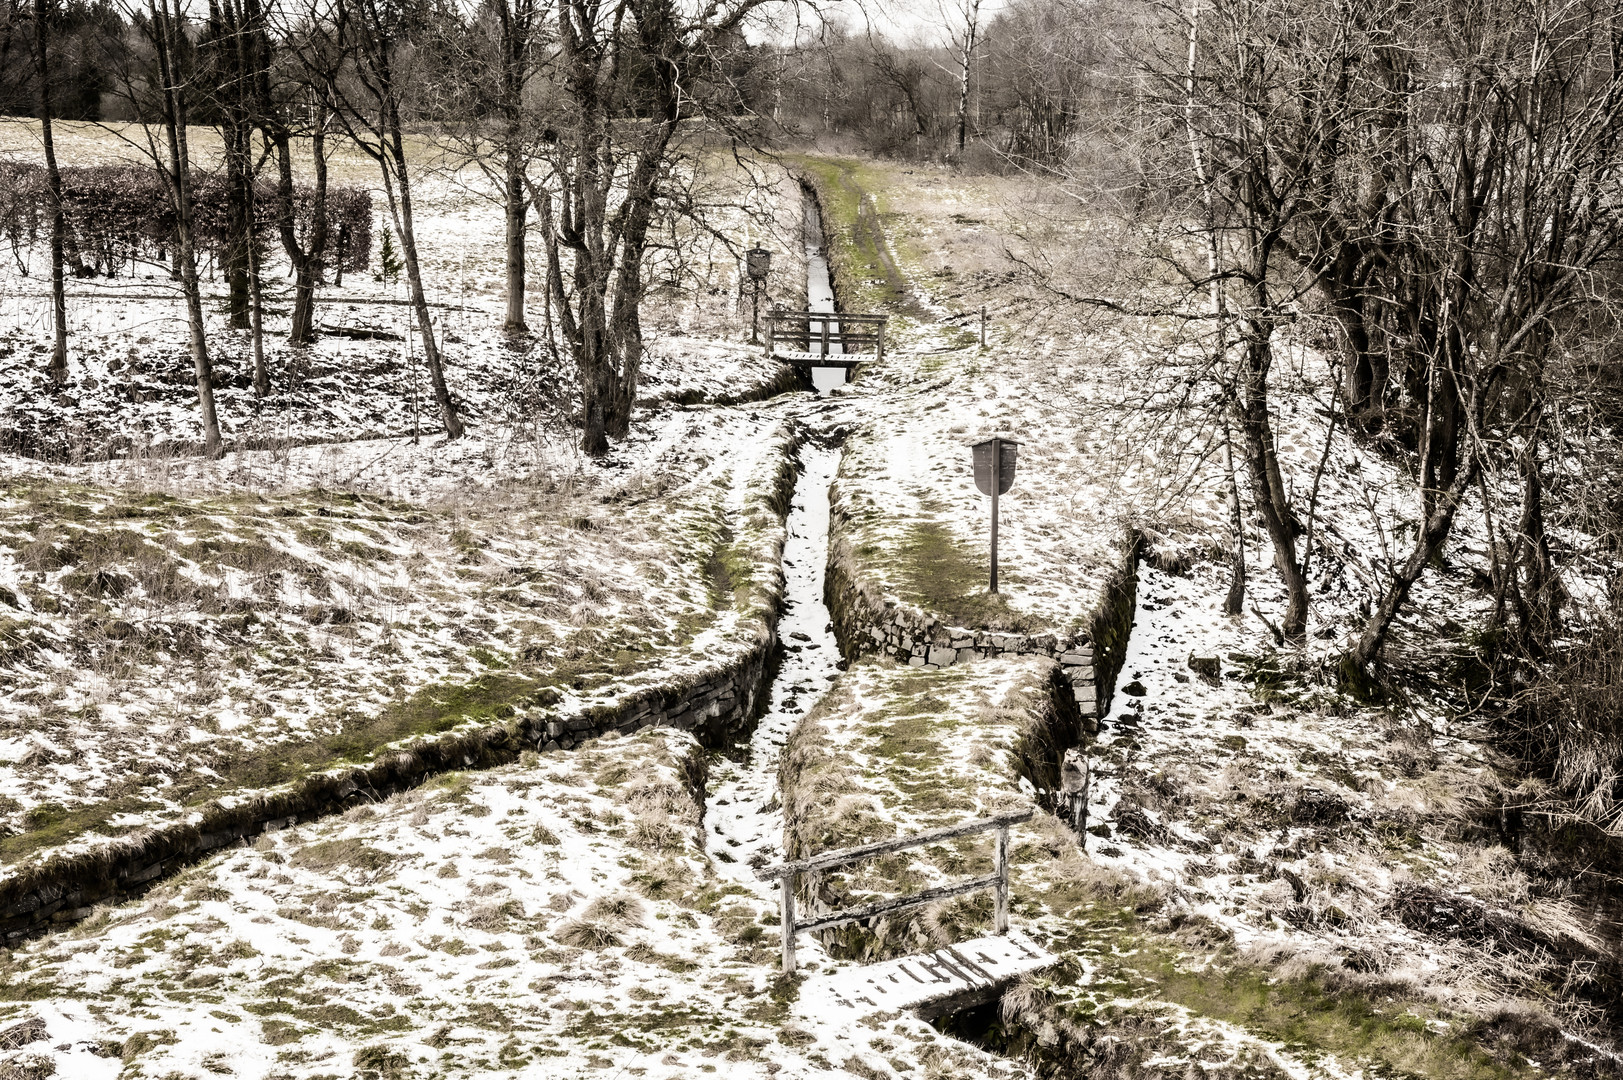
column 1141, row 978
column 167, row 650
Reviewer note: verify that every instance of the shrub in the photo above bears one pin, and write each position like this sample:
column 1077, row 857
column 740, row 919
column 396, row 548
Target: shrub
column 118, row 213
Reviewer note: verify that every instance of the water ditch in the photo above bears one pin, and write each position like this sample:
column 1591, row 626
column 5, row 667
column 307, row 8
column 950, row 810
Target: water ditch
column 743, row 815
column 819, row 286
column 743, row 818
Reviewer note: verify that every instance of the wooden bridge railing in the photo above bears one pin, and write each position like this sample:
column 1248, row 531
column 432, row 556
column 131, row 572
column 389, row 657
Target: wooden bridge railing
column 789, row 873
column 818, row 333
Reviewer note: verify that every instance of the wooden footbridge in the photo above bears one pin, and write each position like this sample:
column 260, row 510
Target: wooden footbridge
column 824, row 338
column 946, row 980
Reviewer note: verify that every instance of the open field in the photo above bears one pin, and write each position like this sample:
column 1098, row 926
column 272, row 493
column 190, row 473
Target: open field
column 164, row 649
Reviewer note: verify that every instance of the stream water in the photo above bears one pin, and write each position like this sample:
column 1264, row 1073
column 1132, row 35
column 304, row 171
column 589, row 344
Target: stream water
column 819, row 292
column 742, row 815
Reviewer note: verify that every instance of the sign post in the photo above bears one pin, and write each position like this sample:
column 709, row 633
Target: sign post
column 757, row 264
column 994, row 474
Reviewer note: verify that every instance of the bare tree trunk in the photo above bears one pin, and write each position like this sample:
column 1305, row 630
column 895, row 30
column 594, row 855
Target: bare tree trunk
column 178, row 174
column 256, row 300
column 972, row 14
column 399, row 193
column 516, row 31
column 238, row 176
column 1533, row 560
column 307, row 260
column 1266, row 491
column 517, row 214
column 241, row 106
column 57, row 369
column 1427, row 544
column 374, row 28
column 1234, row 602
column 308, row 266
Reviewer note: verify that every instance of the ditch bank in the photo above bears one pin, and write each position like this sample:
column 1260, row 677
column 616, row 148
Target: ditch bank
column 719, row 703
column 894, row 751
column 867, row 621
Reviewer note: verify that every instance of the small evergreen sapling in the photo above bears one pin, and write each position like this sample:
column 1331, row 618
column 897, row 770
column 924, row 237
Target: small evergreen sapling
column 389, row 265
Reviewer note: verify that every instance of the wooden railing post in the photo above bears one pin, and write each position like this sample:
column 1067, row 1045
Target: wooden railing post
column 787, row 884
column 788, row 875
column 825, row 335
column 879, row 346
column 1000, row 892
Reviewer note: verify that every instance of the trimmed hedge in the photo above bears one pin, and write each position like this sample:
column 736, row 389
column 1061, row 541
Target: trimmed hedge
column 117, row 213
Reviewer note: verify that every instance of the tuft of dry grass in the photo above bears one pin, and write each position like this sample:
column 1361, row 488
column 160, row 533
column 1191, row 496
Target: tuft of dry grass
column 603, row 924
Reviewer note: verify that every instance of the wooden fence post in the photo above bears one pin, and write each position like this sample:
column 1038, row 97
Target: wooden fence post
column 787, row 885
column 1000, row 892
column 788, row 875
column 825, row 335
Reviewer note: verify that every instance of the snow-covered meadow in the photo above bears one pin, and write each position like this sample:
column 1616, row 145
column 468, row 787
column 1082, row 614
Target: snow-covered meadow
column 1279, row 881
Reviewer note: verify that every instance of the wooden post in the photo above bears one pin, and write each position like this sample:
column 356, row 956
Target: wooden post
column 787, row 893
column 879, row 346
column 1000, row 891
column 825, row 335
column 755, row 316
column 997, row 475
column 983, row 326
column 771, row 329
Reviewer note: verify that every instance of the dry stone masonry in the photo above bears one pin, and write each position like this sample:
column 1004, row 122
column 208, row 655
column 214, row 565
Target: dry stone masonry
column 866, row 621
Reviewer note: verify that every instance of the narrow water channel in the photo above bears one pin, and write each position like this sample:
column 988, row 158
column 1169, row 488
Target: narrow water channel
column 819, row 290
column 742, row 814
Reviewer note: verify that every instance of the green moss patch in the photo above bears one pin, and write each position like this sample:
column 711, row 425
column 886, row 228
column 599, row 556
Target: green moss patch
column 944, row 576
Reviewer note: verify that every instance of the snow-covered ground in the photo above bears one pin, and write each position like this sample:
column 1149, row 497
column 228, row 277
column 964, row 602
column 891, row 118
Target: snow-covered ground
column 131, row 390
column 168, row 648
column 1279, row 882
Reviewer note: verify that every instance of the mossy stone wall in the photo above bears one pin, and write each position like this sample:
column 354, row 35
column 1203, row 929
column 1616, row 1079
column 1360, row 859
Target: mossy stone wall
column 867, row 620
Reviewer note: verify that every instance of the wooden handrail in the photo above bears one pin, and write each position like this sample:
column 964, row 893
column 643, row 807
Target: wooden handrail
column 820, row 316
column 787, row 874
column 885, row 907
column 895, row 843
column 826, row 329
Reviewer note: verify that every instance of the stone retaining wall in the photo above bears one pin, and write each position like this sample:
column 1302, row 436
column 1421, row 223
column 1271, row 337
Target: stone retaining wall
column 719, row 705
column 867, row 621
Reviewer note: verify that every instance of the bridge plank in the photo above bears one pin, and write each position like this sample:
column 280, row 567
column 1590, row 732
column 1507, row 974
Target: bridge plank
column 932, row 983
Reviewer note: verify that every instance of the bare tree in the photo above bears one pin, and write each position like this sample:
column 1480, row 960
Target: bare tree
column 166, row 91
column 44, row 15
column 1511, row 230
column 233, row 54
column 375, row 30
column 307, row 107
column 494, row 63
column 631, row 74
column 966, row 57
